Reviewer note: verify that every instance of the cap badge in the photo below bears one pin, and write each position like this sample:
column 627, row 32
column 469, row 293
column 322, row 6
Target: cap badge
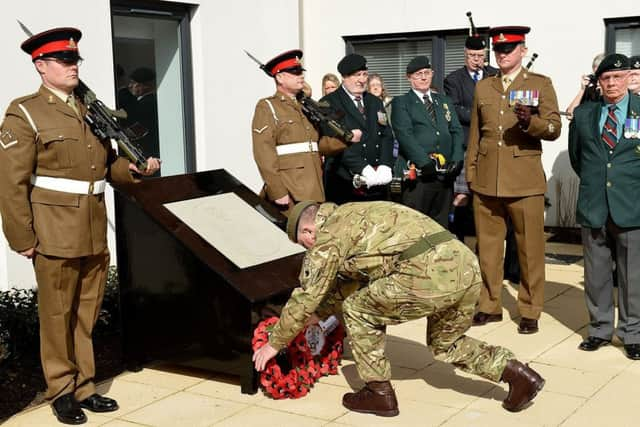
column 618, row 64
column 502, row 38
column 72, row 44
column 636, row 64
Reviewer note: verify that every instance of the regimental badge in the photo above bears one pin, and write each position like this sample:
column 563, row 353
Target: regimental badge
column 618, row 64
column 502, row 38
column 638, row 150
column 72, row 44
column 524, row 97
column 50, row 99
column 382, row 118
column 636, row 64
column 631, row 130
column 7, row 139
column 447, row 112
column 551, row 127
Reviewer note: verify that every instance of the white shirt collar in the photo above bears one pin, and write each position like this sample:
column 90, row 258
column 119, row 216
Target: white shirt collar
column 421, row 95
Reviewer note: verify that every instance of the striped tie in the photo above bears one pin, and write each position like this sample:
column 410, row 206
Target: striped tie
column 359, row 105
column 610, row 129
column 429, row 105
column 476, row 76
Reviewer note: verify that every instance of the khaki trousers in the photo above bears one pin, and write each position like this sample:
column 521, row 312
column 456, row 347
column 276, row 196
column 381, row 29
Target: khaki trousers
column 527, row 216
column 70, row 292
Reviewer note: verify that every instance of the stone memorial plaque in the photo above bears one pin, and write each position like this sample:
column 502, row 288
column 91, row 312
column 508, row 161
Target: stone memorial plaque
column 234, row 228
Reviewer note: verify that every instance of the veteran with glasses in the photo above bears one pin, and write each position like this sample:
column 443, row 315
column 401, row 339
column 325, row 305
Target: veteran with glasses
column 426, row 125
column 604, row 148
column 53, row 172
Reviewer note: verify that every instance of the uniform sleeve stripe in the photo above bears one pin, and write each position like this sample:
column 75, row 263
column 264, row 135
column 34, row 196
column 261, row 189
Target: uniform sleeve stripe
column 29, row 119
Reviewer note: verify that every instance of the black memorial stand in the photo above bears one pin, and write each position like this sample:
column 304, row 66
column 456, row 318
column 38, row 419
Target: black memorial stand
column 182, row 300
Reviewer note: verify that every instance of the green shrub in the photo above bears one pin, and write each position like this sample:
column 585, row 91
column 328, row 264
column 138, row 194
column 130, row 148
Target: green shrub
column 19, row 326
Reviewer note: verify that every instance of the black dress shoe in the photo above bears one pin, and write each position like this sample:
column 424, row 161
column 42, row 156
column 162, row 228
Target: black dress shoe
column 632, row 351
column 593, row 343
column 481, row 318
column 67, row 410
column 528, row 326
column 97, row 403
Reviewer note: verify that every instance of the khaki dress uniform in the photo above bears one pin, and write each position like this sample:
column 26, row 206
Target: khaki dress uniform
column 285, row 149
column 52, row 178
column 504, row 170
column 357, row 267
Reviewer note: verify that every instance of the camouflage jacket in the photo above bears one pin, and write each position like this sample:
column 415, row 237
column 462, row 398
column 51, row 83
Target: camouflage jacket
column 356, row 243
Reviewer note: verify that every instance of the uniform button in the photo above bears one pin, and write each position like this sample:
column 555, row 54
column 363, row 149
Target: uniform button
column 609, row 184
column 379, row 133
column 89, row 146
column 437, row 132
column 499, row 143
column 377, row 146
column 609, row 165
column 377, row 160
column 93, row 167
column 500, row 127
column 610, row 151
column 437, row 145
column 364, row 145
column 504, row 96
column 501, row 112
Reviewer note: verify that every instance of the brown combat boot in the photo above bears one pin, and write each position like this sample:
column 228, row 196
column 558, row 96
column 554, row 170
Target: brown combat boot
column 376, row 397
column 524, row 384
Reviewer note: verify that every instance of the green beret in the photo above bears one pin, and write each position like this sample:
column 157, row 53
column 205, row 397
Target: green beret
column 418, row 63
column 613, row 62
column 294, row 218
column 351, row 64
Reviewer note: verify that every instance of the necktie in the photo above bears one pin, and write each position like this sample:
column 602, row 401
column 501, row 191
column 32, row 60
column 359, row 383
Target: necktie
column 71, row 102
column 610, row 129
column 429, row 105
column 476, row 76
column 359, row 104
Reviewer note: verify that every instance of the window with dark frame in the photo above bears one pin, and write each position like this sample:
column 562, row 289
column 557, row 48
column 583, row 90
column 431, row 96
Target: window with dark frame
column 153, row 78
column 389, row 54
column 623, row 35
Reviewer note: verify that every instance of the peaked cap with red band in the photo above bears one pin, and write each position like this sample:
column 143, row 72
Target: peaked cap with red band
column 287, row 61
column 512, row 34
column 57, row 42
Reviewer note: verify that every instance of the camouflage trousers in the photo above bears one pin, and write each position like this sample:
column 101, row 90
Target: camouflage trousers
column 442, row 284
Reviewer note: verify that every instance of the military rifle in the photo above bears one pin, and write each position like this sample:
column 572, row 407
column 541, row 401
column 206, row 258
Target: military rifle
column 104, row 121
column 314, row 110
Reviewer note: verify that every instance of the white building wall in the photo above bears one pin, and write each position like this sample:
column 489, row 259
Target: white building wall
column 227, row 83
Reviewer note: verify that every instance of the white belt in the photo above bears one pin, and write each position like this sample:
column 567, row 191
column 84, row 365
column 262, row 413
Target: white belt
column 297, row 147
column 68, row 185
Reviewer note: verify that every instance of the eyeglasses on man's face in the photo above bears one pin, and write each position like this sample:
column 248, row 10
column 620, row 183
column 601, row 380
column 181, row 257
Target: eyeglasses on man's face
column 475, row 55
column 422, row 74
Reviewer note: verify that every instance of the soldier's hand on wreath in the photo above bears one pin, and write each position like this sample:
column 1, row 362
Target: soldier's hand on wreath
column 312, row 320
column 29, row 253
column 523, row 113
column 262, row 356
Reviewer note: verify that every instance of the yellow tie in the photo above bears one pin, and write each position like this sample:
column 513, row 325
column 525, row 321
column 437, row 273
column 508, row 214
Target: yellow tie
column 71, row 102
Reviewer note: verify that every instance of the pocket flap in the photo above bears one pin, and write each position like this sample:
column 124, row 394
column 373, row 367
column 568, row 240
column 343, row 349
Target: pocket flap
column 52, row 135
column 526, row 151
column 54, row 198
column 290, row 161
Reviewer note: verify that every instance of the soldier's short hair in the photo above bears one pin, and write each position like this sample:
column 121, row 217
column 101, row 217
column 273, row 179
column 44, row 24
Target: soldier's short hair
column 307, row 215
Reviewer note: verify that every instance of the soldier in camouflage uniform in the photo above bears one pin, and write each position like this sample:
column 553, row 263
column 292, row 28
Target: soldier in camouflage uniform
column 383, row 264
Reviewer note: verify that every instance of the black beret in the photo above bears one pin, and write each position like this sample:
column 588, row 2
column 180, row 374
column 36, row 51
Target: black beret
column 143, row 75
column 57, row 42
column 613, row 62
column 475, row 43
column 634, row 62
column 352, row 63
column 418, row 63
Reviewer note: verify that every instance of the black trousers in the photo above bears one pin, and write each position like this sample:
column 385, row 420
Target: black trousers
column 432, row 198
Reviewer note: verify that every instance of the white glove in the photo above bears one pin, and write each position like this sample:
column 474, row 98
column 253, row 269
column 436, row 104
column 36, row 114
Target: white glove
column 384, row 174
column 370, row 176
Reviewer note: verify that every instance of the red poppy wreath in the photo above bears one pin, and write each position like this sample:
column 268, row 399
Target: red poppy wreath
column 315, row 352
